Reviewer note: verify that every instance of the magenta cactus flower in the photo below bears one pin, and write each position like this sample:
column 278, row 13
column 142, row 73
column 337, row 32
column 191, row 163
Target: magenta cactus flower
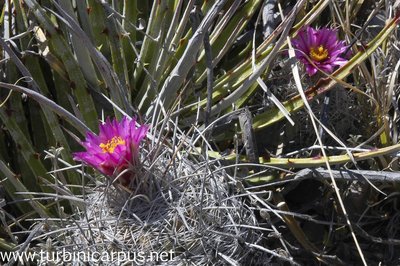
column 321, row 47
column 115, row 149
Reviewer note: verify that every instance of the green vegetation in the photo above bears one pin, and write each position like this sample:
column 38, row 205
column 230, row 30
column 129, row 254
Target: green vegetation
column 233, row 119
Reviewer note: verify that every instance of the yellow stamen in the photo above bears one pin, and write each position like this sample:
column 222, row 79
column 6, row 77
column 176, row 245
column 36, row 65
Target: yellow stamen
column 318, row 54
column 112, row 144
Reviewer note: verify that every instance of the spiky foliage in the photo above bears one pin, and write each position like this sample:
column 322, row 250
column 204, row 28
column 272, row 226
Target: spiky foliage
column 188, row 69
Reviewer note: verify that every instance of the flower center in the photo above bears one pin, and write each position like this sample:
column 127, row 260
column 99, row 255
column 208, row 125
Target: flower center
column 318, row 54
column 112, row 144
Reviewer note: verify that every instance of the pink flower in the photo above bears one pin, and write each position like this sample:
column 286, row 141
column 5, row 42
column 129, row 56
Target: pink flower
column 115, row 149
column 321, row 47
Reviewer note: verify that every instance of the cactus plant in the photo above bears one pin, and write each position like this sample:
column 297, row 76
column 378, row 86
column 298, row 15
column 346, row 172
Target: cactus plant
column 190, row 70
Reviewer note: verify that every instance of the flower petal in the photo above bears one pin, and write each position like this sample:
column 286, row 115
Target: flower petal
column 311, row 70
column 116, row 146
column 326, row 49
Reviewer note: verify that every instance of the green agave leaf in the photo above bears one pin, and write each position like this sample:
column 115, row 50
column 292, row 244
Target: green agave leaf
column 13, row 107
column 179, row 43
column 315, row 161
column 59, row 46
column 117, row 90
column 83, row 11
column 230, row 81
column 39, row 120
column 130, row 14
column 24, row 147
column 178, row 75
column 4, row 147
column 223, row 39
column 82, row 55
column 7, row 246
column 311, row 15
column 158, row 71
column 79, row 125
column 12, row 184
column 97, row 25
column 118, row 56
column 155, row 51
